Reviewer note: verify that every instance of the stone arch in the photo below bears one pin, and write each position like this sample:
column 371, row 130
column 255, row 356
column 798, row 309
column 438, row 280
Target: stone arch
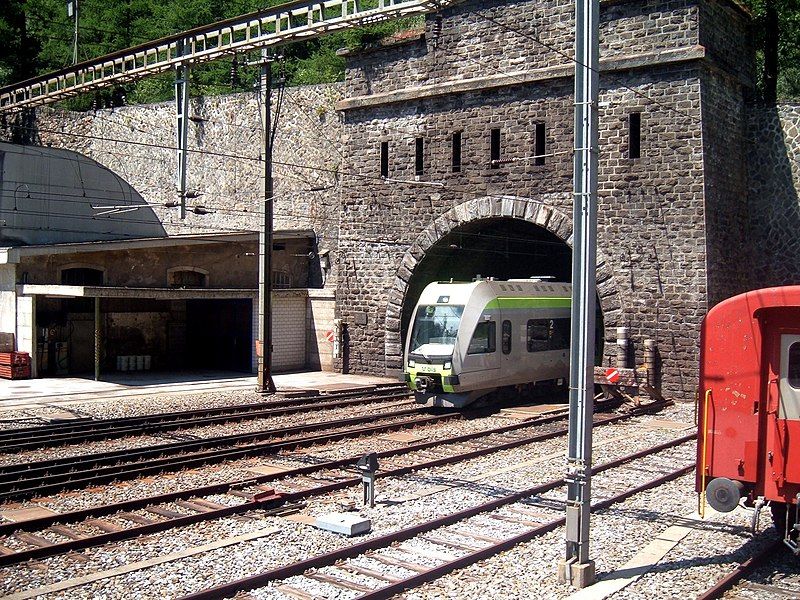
column 536, row 212
column 174, row 272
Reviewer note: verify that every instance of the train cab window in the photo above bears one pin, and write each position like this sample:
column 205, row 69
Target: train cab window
column 506, row 343
column 484, row 339
column 793, row 372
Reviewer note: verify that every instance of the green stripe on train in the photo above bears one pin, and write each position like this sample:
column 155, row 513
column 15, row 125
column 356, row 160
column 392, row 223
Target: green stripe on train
column 529, row 303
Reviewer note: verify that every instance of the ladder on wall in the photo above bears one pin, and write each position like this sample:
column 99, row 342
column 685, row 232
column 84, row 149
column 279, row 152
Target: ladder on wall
column 267, row 28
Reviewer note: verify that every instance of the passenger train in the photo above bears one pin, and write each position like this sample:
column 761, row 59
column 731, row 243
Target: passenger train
column 749, row 406
column 467, row 340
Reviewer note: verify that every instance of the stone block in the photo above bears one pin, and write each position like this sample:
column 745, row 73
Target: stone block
column 348, row 524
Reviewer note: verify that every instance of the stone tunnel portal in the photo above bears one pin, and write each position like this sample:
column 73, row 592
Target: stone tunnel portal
column 503, row 248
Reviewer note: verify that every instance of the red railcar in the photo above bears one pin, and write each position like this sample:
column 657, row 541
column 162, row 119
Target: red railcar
column 749, row 430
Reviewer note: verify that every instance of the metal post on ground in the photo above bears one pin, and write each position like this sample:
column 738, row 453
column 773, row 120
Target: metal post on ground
column 97, row 339
column 182, row 115
column 265, row 382
column 577, row 569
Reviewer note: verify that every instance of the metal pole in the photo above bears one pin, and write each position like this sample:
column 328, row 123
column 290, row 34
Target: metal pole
column 182, row 113
column 265, row 383
column 577, row 569
column 97, row 339
column 76, row 11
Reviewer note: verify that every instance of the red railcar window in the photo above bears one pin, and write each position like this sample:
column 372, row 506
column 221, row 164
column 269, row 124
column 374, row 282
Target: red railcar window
column 793, row 374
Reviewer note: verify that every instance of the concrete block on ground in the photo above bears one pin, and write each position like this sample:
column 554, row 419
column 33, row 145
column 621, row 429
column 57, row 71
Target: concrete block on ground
column 344, row 523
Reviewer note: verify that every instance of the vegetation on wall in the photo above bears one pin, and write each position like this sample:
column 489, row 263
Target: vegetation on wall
column 36, row 37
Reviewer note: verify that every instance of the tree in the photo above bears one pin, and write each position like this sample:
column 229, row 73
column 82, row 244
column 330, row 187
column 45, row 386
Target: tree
column 18, row 50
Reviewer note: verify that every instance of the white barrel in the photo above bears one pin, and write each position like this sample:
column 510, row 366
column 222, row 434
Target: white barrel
column 124, row 363
column 147, row 362
column 139, row 362
column 119, row 363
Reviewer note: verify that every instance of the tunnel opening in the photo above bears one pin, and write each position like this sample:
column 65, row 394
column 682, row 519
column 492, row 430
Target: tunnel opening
column 503, row 248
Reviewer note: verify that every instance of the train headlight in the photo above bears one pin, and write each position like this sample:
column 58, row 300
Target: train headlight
column 411, row 363
column 448, row 365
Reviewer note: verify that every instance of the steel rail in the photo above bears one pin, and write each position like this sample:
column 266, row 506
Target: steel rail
column 84, row 422
column 728, row 581
column 270, row 27
column 85, row 431
column 329, row 558
column 72, row 545
column 41, row 522
column 59, row 465
column 72, row 479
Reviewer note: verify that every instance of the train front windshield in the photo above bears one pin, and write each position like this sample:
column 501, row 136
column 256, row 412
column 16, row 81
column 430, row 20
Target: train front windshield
column 435, row 329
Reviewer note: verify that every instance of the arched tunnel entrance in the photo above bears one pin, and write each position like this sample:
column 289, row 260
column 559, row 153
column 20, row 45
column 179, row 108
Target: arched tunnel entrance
column 499, row 247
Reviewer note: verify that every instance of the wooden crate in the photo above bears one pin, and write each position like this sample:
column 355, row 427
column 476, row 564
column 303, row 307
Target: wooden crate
column 15, row 371
column 19, row 359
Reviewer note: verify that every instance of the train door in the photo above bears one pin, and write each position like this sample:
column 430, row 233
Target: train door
column 482, row 360
column 782, row 433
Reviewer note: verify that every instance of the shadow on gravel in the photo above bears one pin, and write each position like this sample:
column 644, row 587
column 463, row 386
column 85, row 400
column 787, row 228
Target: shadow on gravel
column 733, row 557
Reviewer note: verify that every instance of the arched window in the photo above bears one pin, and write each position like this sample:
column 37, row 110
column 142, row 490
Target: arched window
column 187, row 277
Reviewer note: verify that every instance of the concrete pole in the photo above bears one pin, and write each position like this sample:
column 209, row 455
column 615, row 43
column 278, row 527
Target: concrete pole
column 650, row 353
column 622, row 347
column 577, row 569
column 97, row 339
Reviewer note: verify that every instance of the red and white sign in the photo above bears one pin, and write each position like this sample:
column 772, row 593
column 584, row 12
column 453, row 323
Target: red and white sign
column 329, row 336
column 612, row 375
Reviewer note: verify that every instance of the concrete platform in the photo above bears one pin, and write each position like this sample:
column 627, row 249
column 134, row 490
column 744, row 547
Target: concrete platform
column 29, row 393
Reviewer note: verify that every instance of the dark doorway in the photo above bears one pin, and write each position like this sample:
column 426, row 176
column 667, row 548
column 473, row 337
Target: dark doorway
column 219, row 334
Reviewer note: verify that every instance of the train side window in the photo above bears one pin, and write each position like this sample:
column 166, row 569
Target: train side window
column 793, row 374
column 484, row 339
column 538, row 335
column 559, row 336
column 548, row 334
column 506, row 337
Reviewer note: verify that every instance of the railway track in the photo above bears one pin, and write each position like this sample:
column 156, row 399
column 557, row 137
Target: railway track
column 450, row 542
column 27, row 480
column 86, row 430
column 39, row 538
column 762, row 557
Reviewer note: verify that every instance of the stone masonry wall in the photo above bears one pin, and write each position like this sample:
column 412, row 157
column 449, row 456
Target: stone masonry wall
column 774, row 193
column 477, row 75
column 224, row 164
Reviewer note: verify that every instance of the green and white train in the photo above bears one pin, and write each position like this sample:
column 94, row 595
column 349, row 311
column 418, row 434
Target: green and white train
column 470, row 339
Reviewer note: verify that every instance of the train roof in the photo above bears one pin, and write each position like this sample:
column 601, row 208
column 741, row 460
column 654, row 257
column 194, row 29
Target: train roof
column 747, row 305
column 461, row 292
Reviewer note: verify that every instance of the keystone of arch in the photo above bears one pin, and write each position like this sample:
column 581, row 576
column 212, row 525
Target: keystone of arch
column 536, row 212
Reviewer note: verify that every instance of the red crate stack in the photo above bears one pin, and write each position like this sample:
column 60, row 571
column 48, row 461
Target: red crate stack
column 15, row 365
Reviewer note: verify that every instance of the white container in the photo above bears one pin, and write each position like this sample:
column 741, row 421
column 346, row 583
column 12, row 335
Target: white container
column 119, row 363
column 139, row 362
column 147, row 362
column 124, row 363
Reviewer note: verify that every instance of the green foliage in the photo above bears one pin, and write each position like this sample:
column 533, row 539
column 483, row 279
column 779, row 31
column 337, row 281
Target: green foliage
column 788, row 44
column 36, row 36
